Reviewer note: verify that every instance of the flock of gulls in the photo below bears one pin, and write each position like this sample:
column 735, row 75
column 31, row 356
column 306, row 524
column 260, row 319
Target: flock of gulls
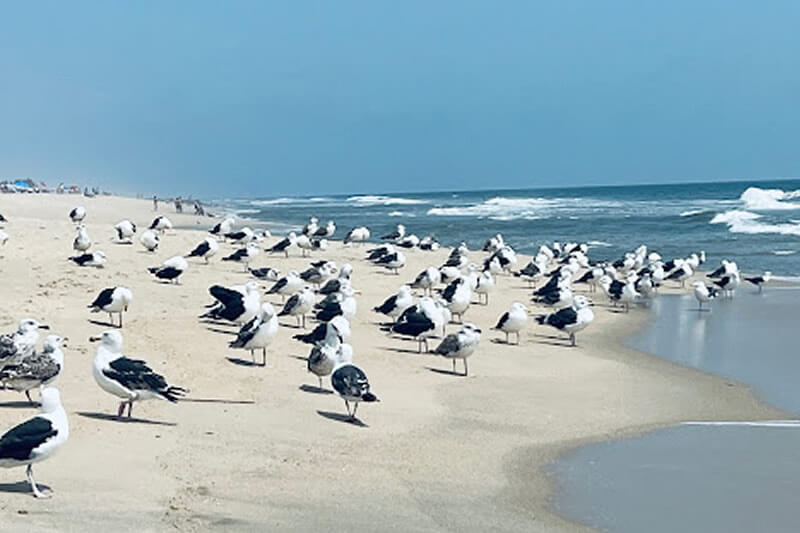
column 324, row 295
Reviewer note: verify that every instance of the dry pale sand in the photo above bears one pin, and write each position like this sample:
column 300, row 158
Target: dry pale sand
column 255, row 451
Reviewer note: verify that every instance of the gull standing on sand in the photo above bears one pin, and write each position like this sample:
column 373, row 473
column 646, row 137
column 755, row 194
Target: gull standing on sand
column 149, row 240
column 352, row 385
column 112, row 300
column 77, row 214
column 335, row 285
column 236, row 304
column 398, row 233
column 171, row 269
column 20, row 344
column 37, row 369
column 460, row 345
column 420, row 321
column 458, row 295
column 681, row 273
column 258, row 333
column 729, row 283
column 284, row 244
column 287, row 285
column 343, row 303
column 311, row 227
column 427, row 279
column 243, row 236
column 36, row 439
column 704, row 294
column 359, row 234
column 82, row 241
column 265, row 273
column 394, row 305
column 223, row 227
column 316, row 275
column 298, row 305
column 327, row 354
column 125, row 231
column 513, row 320
column 244, row 255
column 570, row 319
column 207, row 248
column 760, row 281
column 394, row 261
column 484, row 285
column 338, row 325
column 129, row 379
column 161, row 224
column 3, row 237
column 326, row 232
column 95, row 259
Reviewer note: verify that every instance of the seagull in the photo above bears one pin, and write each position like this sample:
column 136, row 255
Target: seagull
column 2, row 218
column 729, row 283
column 125, row 231
column 352, row 385
column 236, row 304
column 378, row 252
column 3, row 237
column 82, row 241
column 398, row 233
column 171, row 269
column 36, row 439
column 427, row 279
column 265, row 273
column 343, row 304
column 531, row 273
column 760, row 281
column 570, row 319
column 15, row 347
column 112, row 300
column 77, row 214
column 338, row 323
column 161, row 223
column 409, row 241
column 335, row 285
column 485, row 284
column 129, row 379
column 681, row 273
column 311, row 227
column 258, row 333
column 94, row 259
column 149, row 240
column 513, row 320
column 394, row 305
column 725, row 268
column 37, row 369
column 420, row 321
column 304, row 243
column 316, row 275
column 458, row 295
column 493, row 244
column 460, row 345
column 299, row 304
column 287, row 285
column 207, row 248
column 328, row 353
column 394, row 261
column 244, row 255
column 326, row 232
column 223, row 227
column 359, row 234
column 243, row 236
column 284, row 244
column 703, row 293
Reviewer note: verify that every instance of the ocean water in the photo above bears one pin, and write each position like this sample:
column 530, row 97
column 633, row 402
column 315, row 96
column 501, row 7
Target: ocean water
column 705, row 477
column 755, row 223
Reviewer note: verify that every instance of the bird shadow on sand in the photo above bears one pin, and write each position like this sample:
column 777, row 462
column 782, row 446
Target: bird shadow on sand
column 553, row 340
column 299, row 357
column 242, row 362
column 401, row 350
column 22, row 487
column 20, row 404
column 314, row 389
column 293, row 326
column 445, row 372
column 123, row 420
column 102, row 323
column 503, row 342
column 225, row 401
column 339, row 417
column 218, row 330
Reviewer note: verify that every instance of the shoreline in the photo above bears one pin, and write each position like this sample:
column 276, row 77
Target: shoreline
column 441, row 449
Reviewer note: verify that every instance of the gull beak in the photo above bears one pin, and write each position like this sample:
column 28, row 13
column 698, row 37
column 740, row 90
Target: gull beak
column 94, row 339
column 44, row 326
column 358, row 292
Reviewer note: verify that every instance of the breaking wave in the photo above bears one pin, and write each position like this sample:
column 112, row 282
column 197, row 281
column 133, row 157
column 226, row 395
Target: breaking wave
column 758, row 199
column 367, row 200
column 746, row 222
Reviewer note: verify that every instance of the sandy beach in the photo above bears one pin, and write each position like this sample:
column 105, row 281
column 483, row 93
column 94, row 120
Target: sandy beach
column 252, row 449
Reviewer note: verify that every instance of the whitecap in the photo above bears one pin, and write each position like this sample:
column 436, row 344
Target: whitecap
column 746, row 222
column 367, row 200
column 692, row 212
column 598, row 244
column 759, row 199
column 498, row 208
column 784, row 252
column 401, row 214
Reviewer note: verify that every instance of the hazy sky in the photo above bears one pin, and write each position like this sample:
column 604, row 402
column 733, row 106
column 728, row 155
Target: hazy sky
column 297, row 97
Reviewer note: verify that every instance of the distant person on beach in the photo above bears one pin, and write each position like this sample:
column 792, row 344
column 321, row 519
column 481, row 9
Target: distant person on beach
column 155, row 203
column 198, row 209
column 178, row 205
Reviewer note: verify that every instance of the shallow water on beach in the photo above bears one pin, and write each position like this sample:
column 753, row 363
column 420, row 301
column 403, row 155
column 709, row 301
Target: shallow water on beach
column 705, row 477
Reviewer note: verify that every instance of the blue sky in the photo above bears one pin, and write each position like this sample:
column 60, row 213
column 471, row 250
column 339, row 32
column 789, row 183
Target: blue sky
column 277, row 97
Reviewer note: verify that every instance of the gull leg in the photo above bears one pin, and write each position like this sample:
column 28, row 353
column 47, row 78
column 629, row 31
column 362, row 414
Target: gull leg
column 454, row 366
column 572, row 338
column 253, row 356
column 518, row 338
column 121, row 409
column 355, row 407
column 347, row 405
column 320, row 381
column 263, row 357
column 36, row 492
column 304, row 321
column 28, row 394
column 466, row 372
column 506, row 336
column 130, row 408
column 120, row 320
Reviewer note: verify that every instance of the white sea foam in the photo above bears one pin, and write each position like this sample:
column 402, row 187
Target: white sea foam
column 284, row 201
column 401, row 214
column 598, row 244
column 758, row 199
column 245, row 211
column 499, row 208
column 367, row 200
column 784, row 252
column 755, row 423
column 692, row 212
column 746, row 222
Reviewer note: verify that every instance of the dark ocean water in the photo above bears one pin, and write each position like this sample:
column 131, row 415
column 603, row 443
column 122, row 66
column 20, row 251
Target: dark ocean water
column 755, row 223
